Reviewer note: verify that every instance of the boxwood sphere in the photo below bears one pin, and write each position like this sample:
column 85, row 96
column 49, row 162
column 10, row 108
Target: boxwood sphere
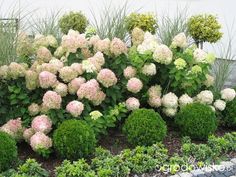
column 196, row 120
column 144, row 127
column 229, row 114
column 8, row 151
column 74, row 139
column 74, row 20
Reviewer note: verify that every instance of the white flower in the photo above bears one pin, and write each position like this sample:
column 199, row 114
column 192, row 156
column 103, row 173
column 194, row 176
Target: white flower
column 180, row 40
column 149, row 44
column 209, row 80
column 228, row 94
column 220, row 105
column 149, row 69
column 170, row 112
column 163, row 54
column 88, row 66
column 185, row 99
column 205, row 97
column 199, row 55
column 170, row 100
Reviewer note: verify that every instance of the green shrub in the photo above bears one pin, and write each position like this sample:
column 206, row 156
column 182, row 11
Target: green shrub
column 74, row 20
column 8, row 151
column 196, row 120
column 229, row 114
column 204, row 28
column 145, row 21
column 74, row 139
column 144, row 127
column 107, row 165
column 76, row 169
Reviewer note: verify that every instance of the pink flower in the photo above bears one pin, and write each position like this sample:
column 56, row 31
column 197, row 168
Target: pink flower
column 75, row 108
column 40, row 141
column 77, row 67
column 91, row 91
column 61, row 89
column 132, row 103
column 44, row 54
column 42, row 124
column 52, row 100
column 107, row 78
column 47, row 79
column 134, row 85
column 14, row 128
column 34, row 109
column 75, row 84
column 118, row 47
column 154, row 101
column 16, row 70
column 28, row 133
column 67, row 73
column 103, row 46
column 129, row 72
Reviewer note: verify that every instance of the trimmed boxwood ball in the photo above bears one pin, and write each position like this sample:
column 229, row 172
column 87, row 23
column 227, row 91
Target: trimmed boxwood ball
column 196, row 120
column 229, row 114
column 74, row 139
column 144, row 127
column 74, row 20
column 8, row 151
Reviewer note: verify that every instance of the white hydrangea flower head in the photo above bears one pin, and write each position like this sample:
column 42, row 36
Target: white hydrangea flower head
column 228, row 94
column 180, row 40
column 170, row 100
column 185, row 99
column 170, row 112
column 163, row 54
column 199, row 55
column 149, row 69
column 220, row 105
column 205, row 97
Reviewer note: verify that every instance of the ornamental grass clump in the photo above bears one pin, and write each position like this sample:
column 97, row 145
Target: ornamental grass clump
column 74, row 139
column 8, row 151
column 144, row 127
column 204, row 28
column 74, row 20
column 196, row 120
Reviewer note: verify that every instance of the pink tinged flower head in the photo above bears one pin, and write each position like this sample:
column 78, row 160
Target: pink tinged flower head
column 75, row 84
column 163, row 54
column 16, row 70
column 42, row 124
column 34, row 109
column 118, row 47
column 154, row 91
column 52, row 100
column 48, row 67
column 99, row 58
column 67, row 74
column 47, row 79
column 44, row 54
column 129, row 72
column 40, row 141
column 103, row 46
column 58, row 64
column 91, row 91
column 132, row 103
column 134, row 85
column 61, row 89
column 77, row 67
column 75, row 108
column 154, row 101
column 107, row 78
column 93, row 40
column 28, row 133
column 14, row 128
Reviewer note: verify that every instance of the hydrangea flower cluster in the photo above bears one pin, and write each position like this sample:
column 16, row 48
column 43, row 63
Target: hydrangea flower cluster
column 185, row 99
column 149, row 43
column 75, row 108
column 91, row 91
column 40, row 141
column 163, row 54
column 129, row 72
column 95, row 114
column 180, row 40
column 75, row 84
column 228, row 94
column 51, row 100
column 42, row 124
column 107, row 78
column 67, row 73
column 47, row 79
column 118, row 47
column 14, row 128
column 132, row 103
column 134, row 85
column 154, row 96
column 170, row 103
column 205, row 97
column 149, row 69
column 34, row 109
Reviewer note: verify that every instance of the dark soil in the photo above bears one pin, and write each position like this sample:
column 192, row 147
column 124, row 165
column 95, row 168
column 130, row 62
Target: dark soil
column 115, row 142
